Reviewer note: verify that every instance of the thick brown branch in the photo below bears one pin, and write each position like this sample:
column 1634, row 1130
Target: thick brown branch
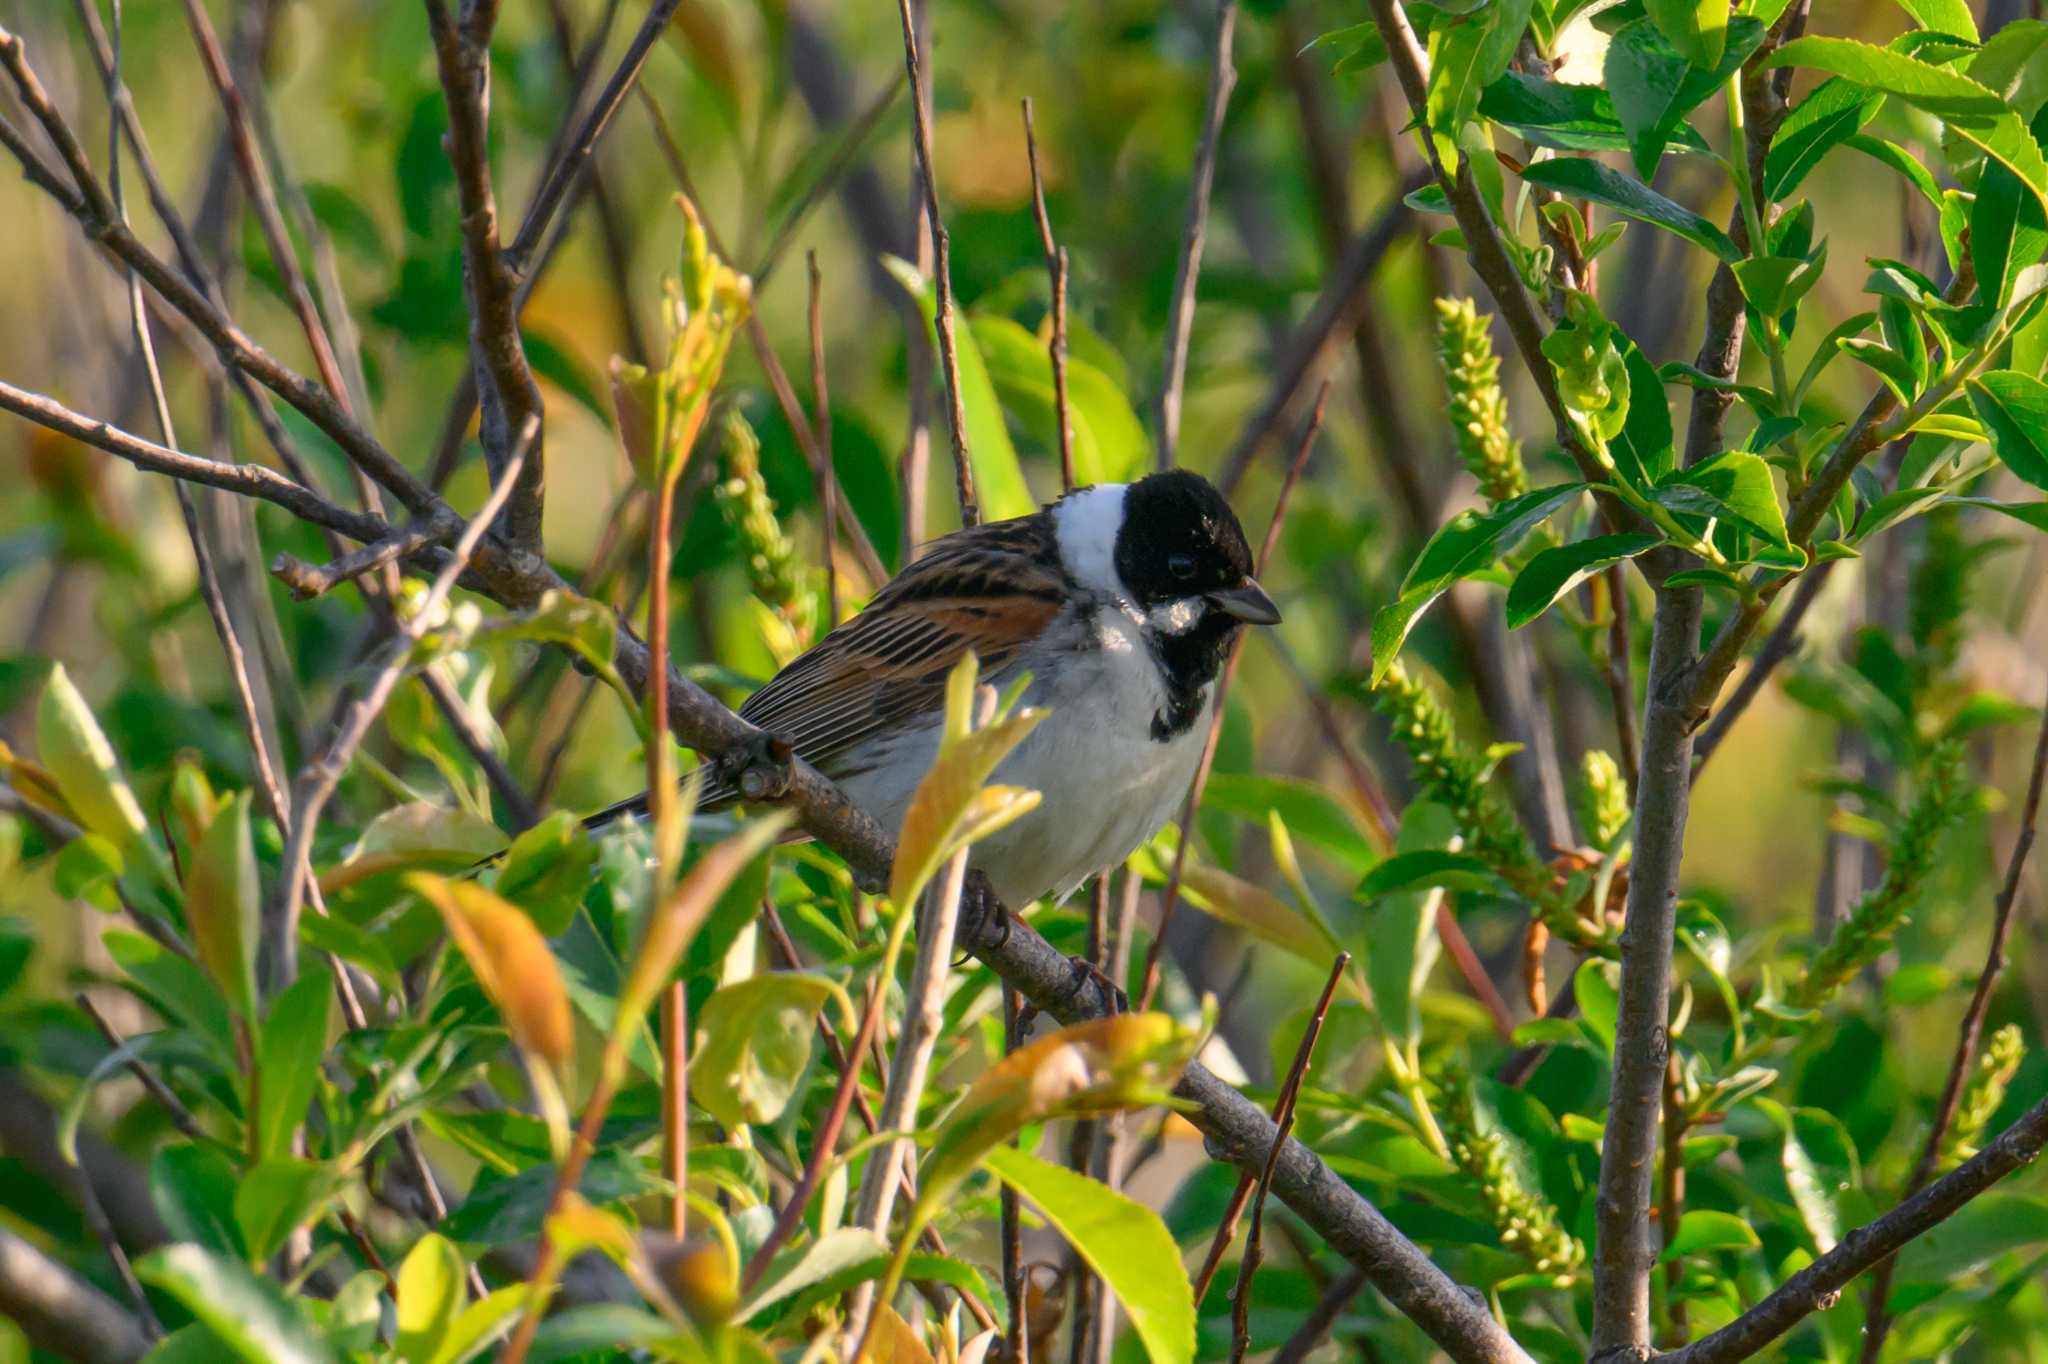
column 62, row 1313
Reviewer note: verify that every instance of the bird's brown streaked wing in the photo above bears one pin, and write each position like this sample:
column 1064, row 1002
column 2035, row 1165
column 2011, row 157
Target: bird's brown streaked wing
column 991, row 588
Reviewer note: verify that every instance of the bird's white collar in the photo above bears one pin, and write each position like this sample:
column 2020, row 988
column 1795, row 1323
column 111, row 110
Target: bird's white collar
column 1087, row 523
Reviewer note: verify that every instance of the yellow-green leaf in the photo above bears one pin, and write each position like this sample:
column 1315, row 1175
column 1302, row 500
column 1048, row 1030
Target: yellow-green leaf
column 933, row 825
column 511, row 961
column 430, row 1293
column 757, row 1036
column 82, row 763
column 223, row 903
column 1257, row 911
column 676, row 920
column 1098, row 1066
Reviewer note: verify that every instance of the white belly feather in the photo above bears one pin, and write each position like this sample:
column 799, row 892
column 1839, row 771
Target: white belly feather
column 1107, row 785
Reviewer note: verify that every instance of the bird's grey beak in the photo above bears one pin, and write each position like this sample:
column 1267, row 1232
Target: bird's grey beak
column 1248, row 602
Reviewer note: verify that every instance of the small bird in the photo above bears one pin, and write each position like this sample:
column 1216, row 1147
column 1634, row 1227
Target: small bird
column 1121, row 601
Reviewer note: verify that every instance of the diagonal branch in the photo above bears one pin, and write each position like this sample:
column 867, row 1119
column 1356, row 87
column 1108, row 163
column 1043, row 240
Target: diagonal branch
column 1818, row 1285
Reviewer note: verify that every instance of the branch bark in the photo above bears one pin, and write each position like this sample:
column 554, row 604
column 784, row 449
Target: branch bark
column 62, row 1313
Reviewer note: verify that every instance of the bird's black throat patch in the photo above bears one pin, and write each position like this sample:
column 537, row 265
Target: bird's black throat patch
column 1188, row 663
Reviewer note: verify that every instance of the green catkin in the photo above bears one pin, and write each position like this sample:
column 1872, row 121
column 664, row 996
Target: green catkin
column 1448, row 775
column 1982, row 1095
column 1909, row 857
column 1937, row 594
column 1527, row 1224
column 1603, row 797
column 1478, row 408
column 742, row 496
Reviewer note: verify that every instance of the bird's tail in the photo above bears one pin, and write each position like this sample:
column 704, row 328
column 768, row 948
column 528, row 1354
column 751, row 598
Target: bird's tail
column 630, row 808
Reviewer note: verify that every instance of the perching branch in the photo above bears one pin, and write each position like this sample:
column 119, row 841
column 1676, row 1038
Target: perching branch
column 1180, row 312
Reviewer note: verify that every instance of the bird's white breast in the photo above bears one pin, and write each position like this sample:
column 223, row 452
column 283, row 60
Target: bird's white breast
column 1107, row 784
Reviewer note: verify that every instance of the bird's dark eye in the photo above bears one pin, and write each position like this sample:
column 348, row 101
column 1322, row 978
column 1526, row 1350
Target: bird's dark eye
column 1181, row 565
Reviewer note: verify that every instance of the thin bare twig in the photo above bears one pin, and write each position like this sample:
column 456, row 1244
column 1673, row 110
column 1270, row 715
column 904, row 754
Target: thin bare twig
column 1056, row 270
column 1283, row 1119
column 509, row 396
column 821, row 436
column 1303, row 448
column 1016, row 1338
column 1322, row 1317
column 949, row 361
column 520, row 810
column 857, row 539
column 1180, row 312
column 1878, row 1322
column 316, row 783
column 308, row 581
column 1778, row 646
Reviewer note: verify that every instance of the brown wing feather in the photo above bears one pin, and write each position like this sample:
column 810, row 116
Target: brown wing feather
column 990, row 588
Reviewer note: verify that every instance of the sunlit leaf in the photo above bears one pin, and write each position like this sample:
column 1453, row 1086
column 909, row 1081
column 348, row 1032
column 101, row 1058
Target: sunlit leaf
column 223, row 903
column 757, row 1035
column 1122, row 1240
column 288, row 1051
column 250, row 1315
column 510, row 960
column 75, row 752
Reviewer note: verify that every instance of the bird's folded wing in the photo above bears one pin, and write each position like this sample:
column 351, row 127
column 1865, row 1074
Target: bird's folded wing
column 993, row 589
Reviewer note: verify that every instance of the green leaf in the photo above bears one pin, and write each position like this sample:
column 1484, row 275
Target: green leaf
column 1599, row 1001
column 1819, row 1158
column 481, row 1324
column 75, row 750
column 332, row 934
column 1938, row 90
column 2007, row 231
column 499, row 1211
column 1642, row 451
column 1556, row 571
column 757, row 1036
column 1992, row 1225
column 1735, row 485
column 178, row 989
column 1972, row 111
column 1109, row 441
column 1895, row 369
column 1466, row 54
column 1122, row 1240
column 793, row 1271
column 1466, row 543
column 252, row 1316
column 1697, row 28
column 1901, row 161
column 277, row 1198
column 998, row 479
column 1702, row 1230
column 1588, row 179
column 1401, row 939
column 1428, row 869
column 1943, row 16
column 193, row 1189
column 547, row 870
column 431, row 1289
column 1775, row 284
column 1835, row 111
column 1313, row 813
column 293, row 1040
column 2014, row 409
column 1257, row 911
column 223, row 901
column 1575, row 118
column 1645, row 75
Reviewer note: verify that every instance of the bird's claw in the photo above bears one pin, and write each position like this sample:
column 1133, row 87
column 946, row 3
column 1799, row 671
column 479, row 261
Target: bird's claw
column 759, row 768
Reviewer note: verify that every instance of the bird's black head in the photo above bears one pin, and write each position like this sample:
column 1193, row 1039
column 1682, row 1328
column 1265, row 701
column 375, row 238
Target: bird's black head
column 1180, row 544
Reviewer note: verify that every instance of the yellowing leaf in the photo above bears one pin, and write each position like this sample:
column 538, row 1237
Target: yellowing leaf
column 511, row 961
column 757, row 1040
column 1099, row 1066
column 676, row 920
column 892, row 1341
column 932, row 826
column 1257, row 911
column 35, row 784
column 222, row 902
column 82, row 763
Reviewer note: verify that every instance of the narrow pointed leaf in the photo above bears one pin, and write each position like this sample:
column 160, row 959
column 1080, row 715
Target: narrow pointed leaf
column 510, row 960
column 1556, row 571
